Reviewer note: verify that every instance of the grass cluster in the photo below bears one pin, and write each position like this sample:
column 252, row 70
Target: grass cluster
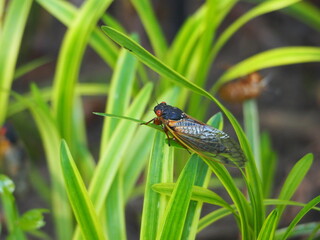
column 95, row 193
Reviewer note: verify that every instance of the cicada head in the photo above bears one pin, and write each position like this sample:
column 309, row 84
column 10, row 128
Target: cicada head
column 168, row 112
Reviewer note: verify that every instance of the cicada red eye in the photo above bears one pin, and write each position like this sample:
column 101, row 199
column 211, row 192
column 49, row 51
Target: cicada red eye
column 159, row 112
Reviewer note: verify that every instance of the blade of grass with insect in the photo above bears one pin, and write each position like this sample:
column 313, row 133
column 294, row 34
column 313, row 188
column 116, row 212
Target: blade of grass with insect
column 152, row 27
column 10, row 40
column 66, row 13
column 119, row 93
column 151, row 215
column 293, row 180
column 256, row 196
column 270, row 58
column 78, row 196
column 69, row 61
column 300, row 215
column 51, row 140
column 269, row 226
column 172, row 222
column 9, row 208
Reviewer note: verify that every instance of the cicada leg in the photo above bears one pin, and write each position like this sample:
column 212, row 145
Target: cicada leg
column 146, row 123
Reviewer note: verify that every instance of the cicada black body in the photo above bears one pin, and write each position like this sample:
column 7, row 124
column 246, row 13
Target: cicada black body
column 203, row 139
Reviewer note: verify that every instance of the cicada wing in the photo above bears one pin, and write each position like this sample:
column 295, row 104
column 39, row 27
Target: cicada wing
column 225, row 151
column 232, row 155
column 209, row 142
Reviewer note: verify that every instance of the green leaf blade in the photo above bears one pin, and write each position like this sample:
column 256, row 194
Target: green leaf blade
column 176, row 211
column 78, row 196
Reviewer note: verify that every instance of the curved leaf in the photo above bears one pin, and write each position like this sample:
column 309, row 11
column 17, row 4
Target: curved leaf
column 270, row 58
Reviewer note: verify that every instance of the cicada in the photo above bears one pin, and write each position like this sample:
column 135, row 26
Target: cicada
column 197, row 136
column 248, row 87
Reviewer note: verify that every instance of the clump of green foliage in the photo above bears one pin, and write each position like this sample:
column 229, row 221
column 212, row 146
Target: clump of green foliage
column 96, row 194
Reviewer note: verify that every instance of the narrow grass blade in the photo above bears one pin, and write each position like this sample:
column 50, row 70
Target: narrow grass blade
column 112, row 22
column 150, row 60
column 199, row 194
column 294, row 179
column 151, row 214
column 78, row 196
column 306, row 12
column 115, row 209
column 82, row 89
column 181, row 47
column 69, row 61
column 138, row 158
column 193, row 215
column 84, row 159
column 112, row 156
column 30, row 66
column 151, row 25
column 270, row 58
column 314, row 233
column 10, row 41
column 287, row 202
column 119, row 93
column 300, row 215
column 237, row 197
column 263, row 8
column 300, row 230
column 66, row 13
column 176, row 211
column 251, row 124
column 269, row 162
column 269, row 226
column 213, row 217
